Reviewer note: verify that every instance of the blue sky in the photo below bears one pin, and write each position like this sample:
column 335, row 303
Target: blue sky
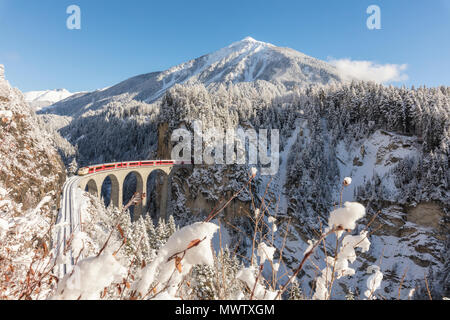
column 121, row 39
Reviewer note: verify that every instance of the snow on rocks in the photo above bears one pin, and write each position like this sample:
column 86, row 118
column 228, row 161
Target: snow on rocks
column 4, row 227
column 45, row 200
column 23, row 239
column 276, row 267
column 2, row 72
column 5, row 205
column 3, row 193
column 6, row 114
column 311, row 244
column 30, row 222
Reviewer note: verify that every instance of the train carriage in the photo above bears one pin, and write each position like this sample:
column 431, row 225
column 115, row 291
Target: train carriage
column 131, row 164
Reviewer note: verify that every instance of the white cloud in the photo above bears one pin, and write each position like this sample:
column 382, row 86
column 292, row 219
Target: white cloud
column 370, row 71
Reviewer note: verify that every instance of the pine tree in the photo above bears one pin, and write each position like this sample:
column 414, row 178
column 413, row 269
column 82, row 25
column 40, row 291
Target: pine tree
column 295, row 292
column 203, row 282
column 73, row 167
column 161, row 234
column 172, row 228
column 140, row 243
column 151, row 232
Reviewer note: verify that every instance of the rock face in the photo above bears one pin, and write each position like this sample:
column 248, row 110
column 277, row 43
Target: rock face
column 408, row 246
column 198, row 203
column 427, row 214
column 30, row 167
column 31, row 178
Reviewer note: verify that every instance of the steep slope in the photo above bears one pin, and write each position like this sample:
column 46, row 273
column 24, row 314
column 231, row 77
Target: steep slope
column 30, row 167
column 408, row 239
column 243, row 61
column 31, row 177
column 400, row 173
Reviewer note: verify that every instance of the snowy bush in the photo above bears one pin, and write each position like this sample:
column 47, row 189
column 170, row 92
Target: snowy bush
column 120, row 259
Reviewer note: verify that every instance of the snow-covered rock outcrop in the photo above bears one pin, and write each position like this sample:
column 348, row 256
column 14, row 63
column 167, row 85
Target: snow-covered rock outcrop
column 30, row 167
column 31, row 176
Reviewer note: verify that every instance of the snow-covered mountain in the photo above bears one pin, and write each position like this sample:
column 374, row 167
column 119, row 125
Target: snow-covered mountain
column 247, row 60
column 393, row 142
column 41, row 99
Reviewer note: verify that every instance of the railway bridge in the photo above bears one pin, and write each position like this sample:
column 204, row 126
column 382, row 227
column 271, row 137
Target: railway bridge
column 93, row 177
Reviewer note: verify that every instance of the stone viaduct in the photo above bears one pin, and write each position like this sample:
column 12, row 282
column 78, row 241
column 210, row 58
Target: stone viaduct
column 94, row 181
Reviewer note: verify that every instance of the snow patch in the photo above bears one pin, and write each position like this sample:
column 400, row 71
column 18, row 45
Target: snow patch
column 377, row 155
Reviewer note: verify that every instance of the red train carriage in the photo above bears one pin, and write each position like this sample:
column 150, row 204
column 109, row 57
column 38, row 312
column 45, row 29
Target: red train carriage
column 122, row 165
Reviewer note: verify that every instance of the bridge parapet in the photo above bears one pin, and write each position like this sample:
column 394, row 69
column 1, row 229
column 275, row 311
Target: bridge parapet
column 94, row 181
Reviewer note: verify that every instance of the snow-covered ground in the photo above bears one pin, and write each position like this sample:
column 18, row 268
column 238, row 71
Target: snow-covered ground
column 276, row 191
column 376, row 155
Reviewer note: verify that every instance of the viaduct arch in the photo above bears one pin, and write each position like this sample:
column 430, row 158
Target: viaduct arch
column 94, row 181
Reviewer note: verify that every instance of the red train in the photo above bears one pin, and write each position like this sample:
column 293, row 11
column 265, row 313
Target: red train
column 131, row 164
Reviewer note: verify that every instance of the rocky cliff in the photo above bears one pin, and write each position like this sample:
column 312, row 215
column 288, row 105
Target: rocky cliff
column 30, row 166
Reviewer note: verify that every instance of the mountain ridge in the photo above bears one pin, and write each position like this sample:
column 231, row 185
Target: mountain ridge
column 40, row 99
column 247, row 60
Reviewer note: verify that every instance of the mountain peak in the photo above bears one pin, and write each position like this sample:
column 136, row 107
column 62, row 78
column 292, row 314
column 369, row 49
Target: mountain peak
column 247, row 60
column 249, row 39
